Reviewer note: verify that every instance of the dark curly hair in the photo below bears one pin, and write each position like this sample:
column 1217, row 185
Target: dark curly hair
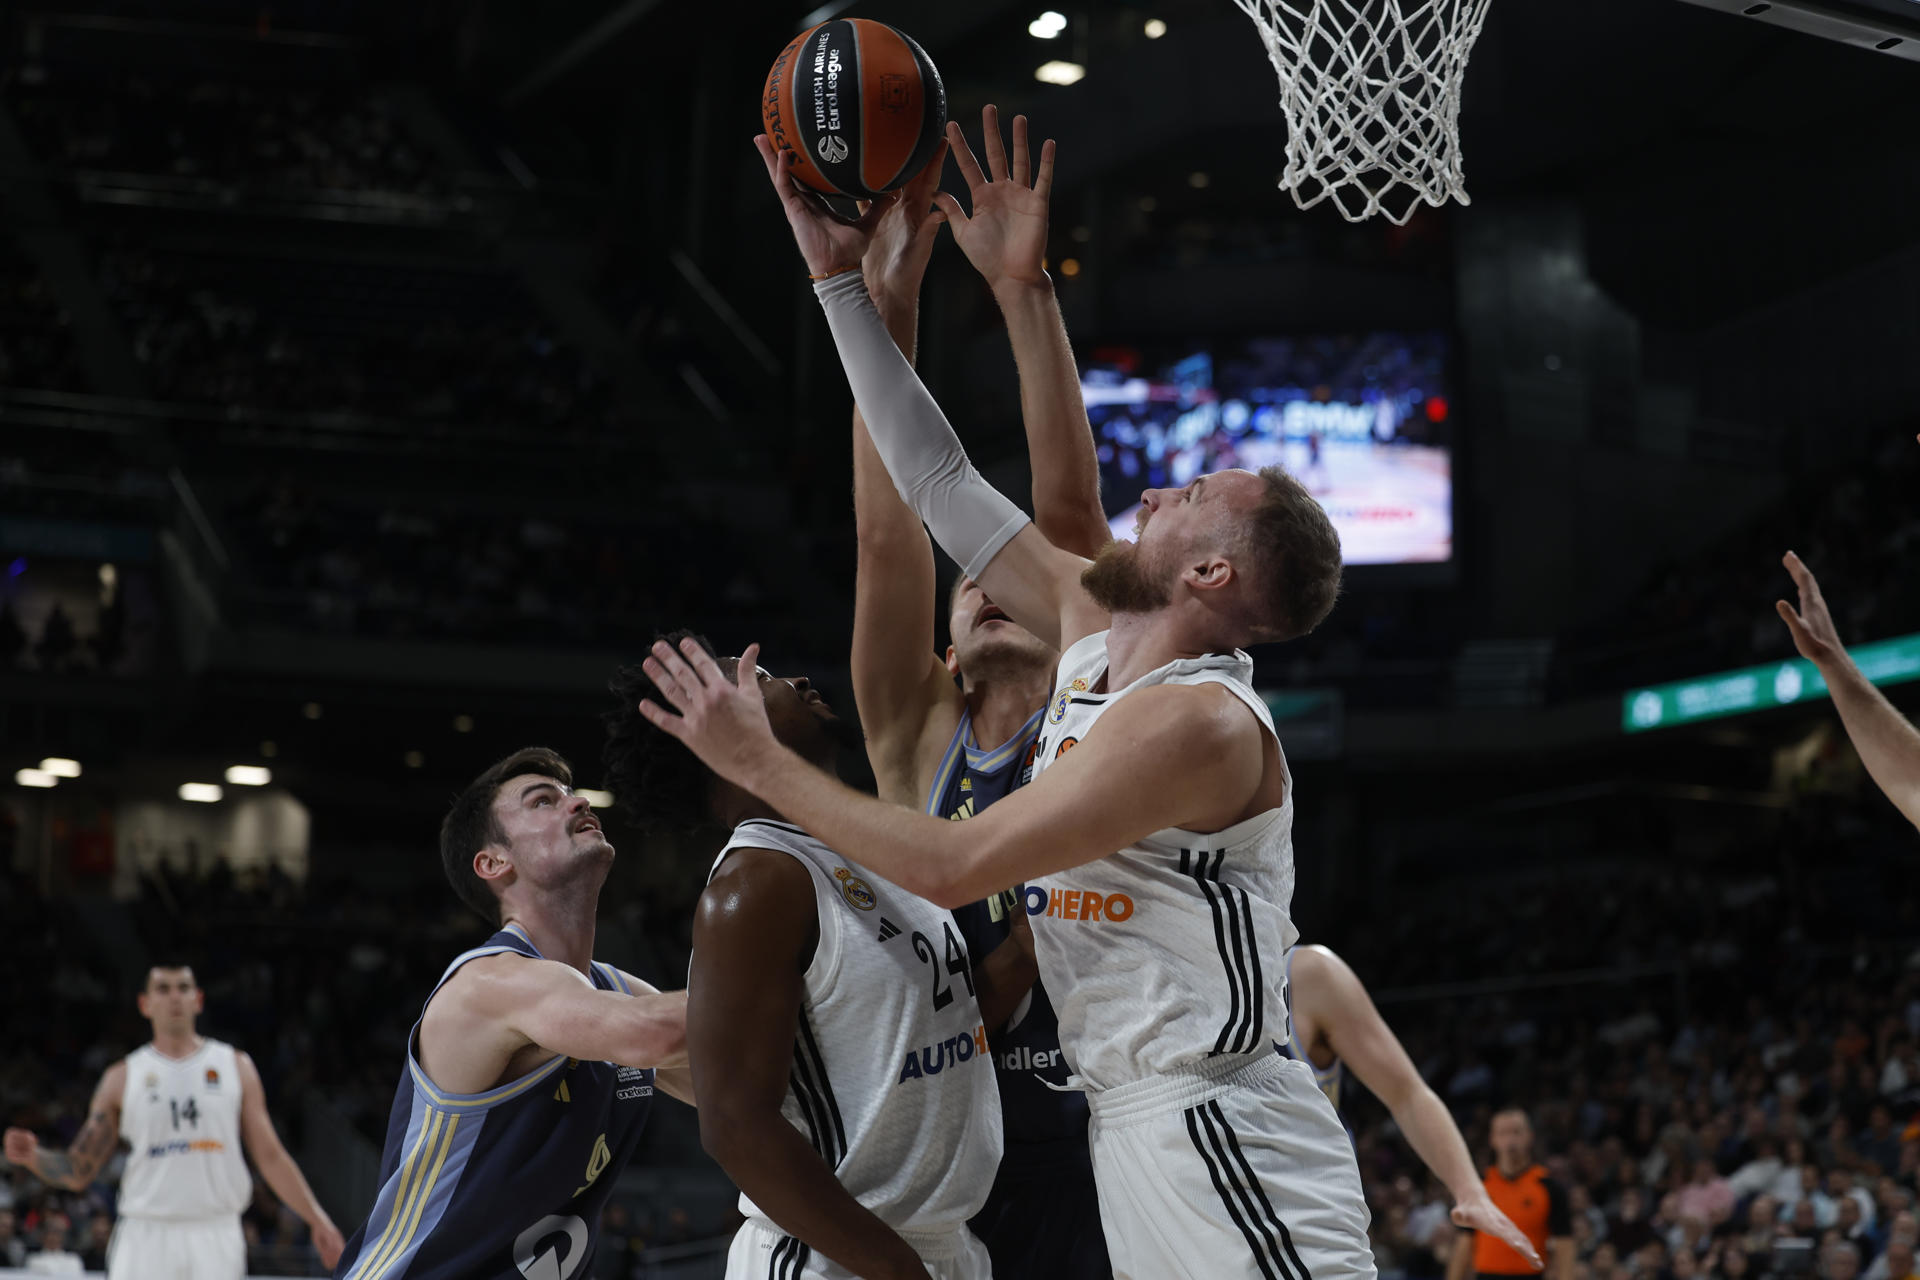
column 661, row 784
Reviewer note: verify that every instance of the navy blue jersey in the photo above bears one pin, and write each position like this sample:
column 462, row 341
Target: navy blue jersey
column 1057, row 1235
column 505, row 1184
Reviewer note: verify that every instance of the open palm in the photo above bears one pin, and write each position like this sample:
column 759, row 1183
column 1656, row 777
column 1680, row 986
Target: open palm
column 1005, row 237
column 896, row 257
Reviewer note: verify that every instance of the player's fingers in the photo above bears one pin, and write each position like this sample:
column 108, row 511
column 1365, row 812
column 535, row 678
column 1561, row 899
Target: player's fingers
column 1021, row 171
column 949, row 205
column 920, row 190
column 963, row 156
column 876, row 210
column 1043, row 182
column 704, row 668
column 686, row 683
column 659, row 717
column 771, row 158
column 748, row 672
column 991, row 141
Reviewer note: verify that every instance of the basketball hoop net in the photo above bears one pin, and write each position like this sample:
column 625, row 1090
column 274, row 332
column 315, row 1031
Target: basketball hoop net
column 1371, row 92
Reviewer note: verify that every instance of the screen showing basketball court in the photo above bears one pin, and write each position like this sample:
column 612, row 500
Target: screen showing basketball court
column 1364, row 421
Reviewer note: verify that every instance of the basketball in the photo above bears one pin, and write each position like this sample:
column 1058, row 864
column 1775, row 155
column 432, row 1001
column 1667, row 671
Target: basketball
column 859, row 103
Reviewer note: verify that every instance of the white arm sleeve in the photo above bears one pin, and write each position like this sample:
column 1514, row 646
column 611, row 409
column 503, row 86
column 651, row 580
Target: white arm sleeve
column 969, row 518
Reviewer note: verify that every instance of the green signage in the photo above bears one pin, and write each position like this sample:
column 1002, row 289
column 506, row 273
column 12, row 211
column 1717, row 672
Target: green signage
column 1777, row 684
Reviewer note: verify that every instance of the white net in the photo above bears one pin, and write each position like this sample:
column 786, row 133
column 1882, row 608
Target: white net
column 1371, row 93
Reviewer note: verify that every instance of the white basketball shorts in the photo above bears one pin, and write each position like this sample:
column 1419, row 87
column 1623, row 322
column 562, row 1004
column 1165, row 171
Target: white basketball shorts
column 1235, row 1169
column 761, row 1251
column 189, row 1249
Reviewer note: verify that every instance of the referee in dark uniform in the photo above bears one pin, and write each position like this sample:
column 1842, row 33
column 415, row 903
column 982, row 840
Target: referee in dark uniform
column 1537, row 1204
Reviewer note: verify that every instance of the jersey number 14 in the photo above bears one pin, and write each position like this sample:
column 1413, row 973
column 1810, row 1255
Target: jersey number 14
column 190, row 1112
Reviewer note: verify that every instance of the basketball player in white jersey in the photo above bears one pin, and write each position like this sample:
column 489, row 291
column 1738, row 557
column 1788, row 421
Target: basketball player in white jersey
column 836, row 1024
column 1155, row 838
column 950, row 734
column 1336, row 1028
column 185, row 1104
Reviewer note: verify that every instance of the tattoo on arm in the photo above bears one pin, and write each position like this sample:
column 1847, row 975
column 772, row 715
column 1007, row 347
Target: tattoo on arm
column 80, row 1162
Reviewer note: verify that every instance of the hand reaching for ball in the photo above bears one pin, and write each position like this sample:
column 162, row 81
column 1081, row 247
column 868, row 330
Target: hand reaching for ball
column 1005, row 238
column 829, row 243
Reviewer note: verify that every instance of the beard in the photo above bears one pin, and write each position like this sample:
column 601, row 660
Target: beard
column 1120, row 583
column 1006, row 653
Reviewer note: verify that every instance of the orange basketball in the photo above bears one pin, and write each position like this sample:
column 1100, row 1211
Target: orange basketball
column 859, row 103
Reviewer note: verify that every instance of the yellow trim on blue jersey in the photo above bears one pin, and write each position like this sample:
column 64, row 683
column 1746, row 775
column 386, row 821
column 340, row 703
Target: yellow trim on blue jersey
column 990, row 761
column 422, row 1194
column 613, row 975
column 519, row 933
column 481, row 1101
column 370, row 1257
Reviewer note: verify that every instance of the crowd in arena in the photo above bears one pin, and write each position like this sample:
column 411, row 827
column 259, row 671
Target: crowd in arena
column 1744, row 1104
column 349, row 137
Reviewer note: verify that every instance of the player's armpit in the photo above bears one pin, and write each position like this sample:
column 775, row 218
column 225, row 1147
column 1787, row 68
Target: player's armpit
column 1166, row 756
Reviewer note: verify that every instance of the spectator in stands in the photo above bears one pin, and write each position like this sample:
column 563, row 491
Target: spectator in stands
column 1880, row 1144
column 57, row 640
column 98, row 1235
column 1888, row 744
column 13, row 1250
column 1840, row 1261
column 1707, row 1197
column 53, row 1257
column 1897, row 1263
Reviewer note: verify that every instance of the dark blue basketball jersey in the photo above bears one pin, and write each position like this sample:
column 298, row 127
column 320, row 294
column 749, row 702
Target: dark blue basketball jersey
column 506, row 1184
column 1057, row 1235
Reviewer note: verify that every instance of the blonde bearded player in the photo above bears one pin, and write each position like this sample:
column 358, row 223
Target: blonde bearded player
column 1157, row 828
column 185, row 1104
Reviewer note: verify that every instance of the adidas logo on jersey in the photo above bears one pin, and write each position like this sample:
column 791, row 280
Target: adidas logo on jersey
column 935, row 1058
column 888, row 930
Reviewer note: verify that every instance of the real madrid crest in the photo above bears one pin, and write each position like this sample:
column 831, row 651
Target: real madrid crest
column 857, row 892
column 1059, row 711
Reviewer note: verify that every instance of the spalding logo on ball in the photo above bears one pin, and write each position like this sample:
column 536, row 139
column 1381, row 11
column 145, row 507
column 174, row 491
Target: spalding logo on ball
column 858, row 103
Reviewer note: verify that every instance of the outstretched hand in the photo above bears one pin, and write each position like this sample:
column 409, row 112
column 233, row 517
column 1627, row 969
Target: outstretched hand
column 722, row 721
column 1479, row 1213
column 902, row 243
column 827, row 241
column 22, row 1145
column 1005, row 238
column 1811, row 625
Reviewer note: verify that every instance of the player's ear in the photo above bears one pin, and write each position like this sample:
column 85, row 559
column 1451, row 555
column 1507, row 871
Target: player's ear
column 491, row 863
column 1209, row 573
column 141, row 1000
column 953, row 662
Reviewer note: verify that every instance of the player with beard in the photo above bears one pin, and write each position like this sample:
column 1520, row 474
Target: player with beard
column 1157, row 828
column 531, row 1070
column 951, row 748
column 836, row 1023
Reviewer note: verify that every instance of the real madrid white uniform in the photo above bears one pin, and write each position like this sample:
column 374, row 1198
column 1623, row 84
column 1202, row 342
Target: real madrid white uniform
column 186, row 1180
column 1215, row 1155
column 891, row 1080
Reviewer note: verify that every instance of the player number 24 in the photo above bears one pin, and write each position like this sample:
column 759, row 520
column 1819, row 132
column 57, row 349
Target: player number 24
column 956, row 965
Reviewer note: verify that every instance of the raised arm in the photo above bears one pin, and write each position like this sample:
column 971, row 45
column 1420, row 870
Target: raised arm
column 985, row 533
column 75, row 1168
column 277, row 1167
column 754, row 934
column 1329, row 995
column 1005, row 238
column 1189, row 756
column 1887, row 742
column 908, row 703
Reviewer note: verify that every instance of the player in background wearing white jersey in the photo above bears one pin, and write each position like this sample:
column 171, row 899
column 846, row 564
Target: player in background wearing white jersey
column 836, row 1024
column 1159, row 783
column 1336, row 1027
column 185, row 1104
column 953, row 749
